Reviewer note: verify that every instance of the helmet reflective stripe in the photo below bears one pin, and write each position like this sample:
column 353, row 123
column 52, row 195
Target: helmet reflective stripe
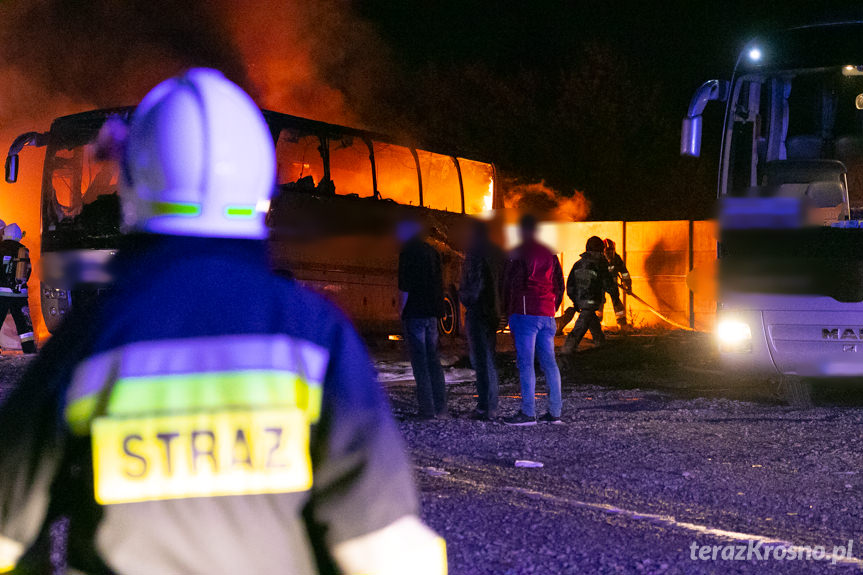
column 240, row 211
column 176, row 209
column 198, row 156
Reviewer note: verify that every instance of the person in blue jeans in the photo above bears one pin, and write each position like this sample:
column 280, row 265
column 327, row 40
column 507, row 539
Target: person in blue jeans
column 479, row 292
column 533, row 290
column 421, row 300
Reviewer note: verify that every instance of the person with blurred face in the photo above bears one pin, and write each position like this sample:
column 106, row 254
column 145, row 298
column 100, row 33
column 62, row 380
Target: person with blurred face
column 533, row 290
column 479, row 292
column 208, row 416
column 421, row 304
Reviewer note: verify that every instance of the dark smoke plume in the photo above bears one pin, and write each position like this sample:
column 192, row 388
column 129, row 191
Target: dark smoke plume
column 307, row 58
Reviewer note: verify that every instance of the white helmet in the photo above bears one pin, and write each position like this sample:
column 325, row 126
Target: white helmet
column 199, row 160
column 13, row 232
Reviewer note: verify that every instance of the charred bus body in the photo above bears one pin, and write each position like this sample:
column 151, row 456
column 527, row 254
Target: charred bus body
column 339, row 192
column 790, row 175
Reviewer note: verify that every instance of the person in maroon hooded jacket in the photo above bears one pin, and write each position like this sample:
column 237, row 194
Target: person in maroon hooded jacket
column 533, row 290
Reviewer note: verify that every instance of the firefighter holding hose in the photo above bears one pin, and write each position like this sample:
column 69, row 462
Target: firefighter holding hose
column 14, row 273
column 231, row 426
column 619, row 277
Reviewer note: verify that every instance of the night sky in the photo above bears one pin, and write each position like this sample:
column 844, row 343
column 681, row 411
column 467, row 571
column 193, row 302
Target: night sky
column 589, row 94
column 585, row 96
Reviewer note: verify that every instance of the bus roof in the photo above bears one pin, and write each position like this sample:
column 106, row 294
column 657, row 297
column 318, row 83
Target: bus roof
column 94, row 119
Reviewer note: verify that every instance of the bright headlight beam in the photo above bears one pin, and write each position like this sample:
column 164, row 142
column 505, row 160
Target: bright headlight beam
column 734, row 336
column 754, row 54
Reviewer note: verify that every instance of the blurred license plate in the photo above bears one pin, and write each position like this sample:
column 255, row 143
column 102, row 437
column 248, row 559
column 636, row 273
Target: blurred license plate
column 239, row 452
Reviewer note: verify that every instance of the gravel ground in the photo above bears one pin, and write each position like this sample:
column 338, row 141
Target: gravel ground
column 655, row 455
column 11, row 367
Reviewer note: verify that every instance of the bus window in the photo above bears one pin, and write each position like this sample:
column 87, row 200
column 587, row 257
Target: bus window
column 397, row 174
column 441, row 190
column 79, row 179
column 298, row 156
column 478, row 180
column 350, row 167
column 66, row 181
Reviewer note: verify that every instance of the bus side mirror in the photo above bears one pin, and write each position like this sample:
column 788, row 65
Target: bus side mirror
column 690, row 137
column 27, row 139
column 12, row 168
column 690, row 134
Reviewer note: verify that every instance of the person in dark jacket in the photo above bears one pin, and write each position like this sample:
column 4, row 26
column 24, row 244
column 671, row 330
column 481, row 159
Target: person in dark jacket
column 14, row 273
column 422, row 305
column 480, row 294
column 618, row 273
column 586, row 286
column 533, row 290
column 186, row 434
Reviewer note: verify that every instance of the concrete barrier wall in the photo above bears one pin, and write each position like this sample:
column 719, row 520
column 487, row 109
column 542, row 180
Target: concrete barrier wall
column 671, row 263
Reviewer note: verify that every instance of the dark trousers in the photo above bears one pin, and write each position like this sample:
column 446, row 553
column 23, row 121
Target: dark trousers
column 482, row 340
column 422, row 338
column 20, row 310
column 587, row 321
column 617, row 303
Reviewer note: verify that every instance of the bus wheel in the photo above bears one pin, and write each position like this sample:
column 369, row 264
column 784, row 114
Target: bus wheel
column 449, row 322
column 797, row 391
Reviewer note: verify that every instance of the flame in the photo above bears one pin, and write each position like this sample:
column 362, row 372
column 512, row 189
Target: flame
column 488, row 201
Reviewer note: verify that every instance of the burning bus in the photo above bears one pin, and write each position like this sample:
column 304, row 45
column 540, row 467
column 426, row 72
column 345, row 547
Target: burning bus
column 339, row 191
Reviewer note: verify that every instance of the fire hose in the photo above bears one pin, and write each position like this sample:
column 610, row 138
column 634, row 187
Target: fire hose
column 656, row 312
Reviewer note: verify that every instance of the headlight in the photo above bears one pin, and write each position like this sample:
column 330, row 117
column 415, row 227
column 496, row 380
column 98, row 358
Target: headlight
column 734, row 335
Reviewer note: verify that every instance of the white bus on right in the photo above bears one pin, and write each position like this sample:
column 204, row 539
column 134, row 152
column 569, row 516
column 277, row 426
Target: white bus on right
column 790, row 190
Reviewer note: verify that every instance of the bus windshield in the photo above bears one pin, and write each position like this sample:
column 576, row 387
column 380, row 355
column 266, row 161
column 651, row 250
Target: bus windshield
column 797, row 134
column 80, row 196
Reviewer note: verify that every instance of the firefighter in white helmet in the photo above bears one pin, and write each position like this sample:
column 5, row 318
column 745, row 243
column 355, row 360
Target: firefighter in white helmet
column 213, row 418
column 14, row 273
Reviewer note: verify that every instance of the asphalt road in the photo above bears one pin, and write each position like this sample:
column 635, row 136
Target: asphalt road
column 656, row 456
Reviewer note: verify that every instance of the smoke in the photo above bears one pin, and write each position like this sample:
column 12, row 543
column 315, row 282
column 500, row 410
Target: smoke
column 315, row 59
column 544, row 202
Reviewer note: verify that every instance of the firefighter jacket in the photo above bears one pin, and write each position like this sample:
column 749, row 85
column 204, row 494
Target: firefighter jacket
column 14, row 268
column 209, row 417
column 588, row 281
column 533, row 281
column 617, row 269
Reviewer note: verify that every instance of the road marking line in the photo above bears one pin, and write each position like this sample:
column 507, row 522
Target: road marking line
column 666, row 520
